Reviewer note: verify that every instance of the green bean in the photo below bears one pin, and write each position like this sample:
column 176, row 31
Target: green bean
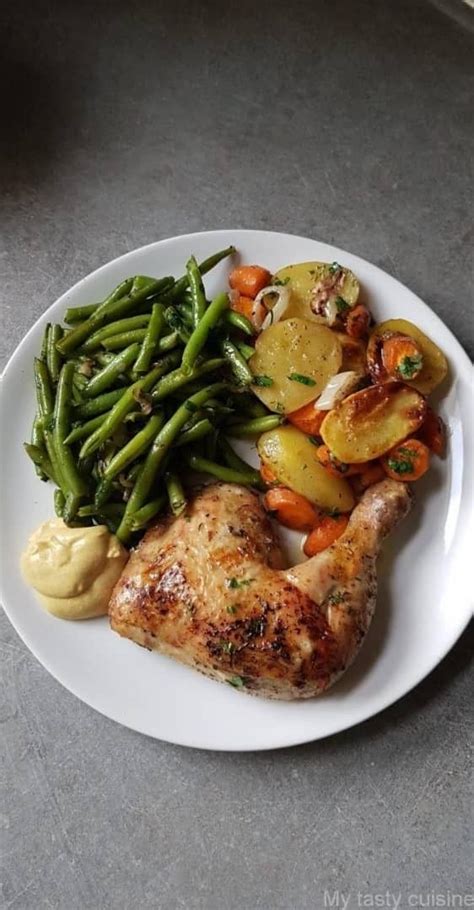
column 176, row 494
column 109, row 509
column 126, row 403
column 115, row 328
column 158, row 452
column 142, row 282
column 151, row 339
column 167, row 343
column 135, row 447
column 85, row 429
column 255, row 426
column 178, row 378
column 44, row 342
column 141, row 518
column 98, row 405
column 198, row 295
column 102, row 358
column 51, row 449
column 59, row 503
column 240, row 322
column 71, row 506
column 74, row 484
column 197, row 431
column 110, row 373
column 40, row 459
column 53, row 357
column 246, row 350
column 37, row 441
column 108, row 311
column 234, row 461
column 201, row 333
column 103, row 492
column 240, row 371
column 204, row 267
column 79, row 313
column 221, row 472
column 123, row 339
column 44, row 392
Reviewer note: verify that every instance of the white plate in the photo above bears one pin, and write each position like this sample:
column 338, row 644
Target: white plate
column 424, row 595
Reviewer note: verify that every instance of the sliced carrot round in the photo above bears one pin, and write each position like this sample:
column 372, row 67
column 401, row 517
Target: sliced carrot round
column 325, row 533
column 407, row 461
column 291, row 509
column 249, row 280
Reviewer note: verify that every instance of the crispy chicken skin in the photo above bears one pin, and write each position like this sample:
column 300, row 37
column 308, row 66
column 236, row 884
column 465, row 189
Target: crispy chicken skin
column 210, row 589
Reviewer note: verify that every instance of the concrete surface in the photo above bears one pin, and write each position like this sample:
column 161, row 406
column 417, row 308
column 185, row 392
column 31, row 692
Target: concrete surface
column 125, row 122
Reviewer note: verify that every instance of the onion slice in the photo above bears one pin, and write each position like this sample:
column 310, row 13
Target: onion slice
column 329, row 314
column 277, row 311
column 339, row 387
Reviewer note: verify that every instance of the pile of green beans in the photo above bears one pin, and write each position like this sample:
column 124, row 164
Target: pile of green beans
column 139, row 392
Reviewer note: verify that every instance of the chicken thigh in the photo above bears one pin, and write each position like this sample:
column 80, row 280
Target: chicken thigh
column 210, row 589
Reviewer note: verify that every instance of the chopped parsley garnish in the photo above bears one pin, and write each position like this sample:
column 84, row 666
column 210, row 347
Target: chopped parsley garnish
column 336, row 598
column 238, row 582
column 299, row 377
column 232, row 608
column 334, row 267
column 342, row 305
column 281, row 281
column 410, row 366
column 236, row 681
column 279, row 407
column 400, row 465
column 262, row 380
column 228, row 647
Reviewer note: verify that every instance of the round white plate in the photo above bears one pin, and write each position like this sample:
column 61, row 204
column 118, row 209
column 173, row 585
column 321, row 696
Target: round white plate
column 424, row 594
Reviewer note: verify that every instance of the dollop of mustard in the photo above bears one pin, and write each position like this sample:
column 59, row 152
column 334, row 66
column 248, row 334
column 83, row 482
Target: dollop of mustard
column 73, row 570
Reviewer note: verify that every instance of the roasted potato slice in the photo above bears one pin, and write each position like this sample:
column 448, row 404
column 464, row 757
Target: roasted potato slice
column 369, row 423
column 293, row 361
column 292, row 459
column 312, row 281
column 435, row 365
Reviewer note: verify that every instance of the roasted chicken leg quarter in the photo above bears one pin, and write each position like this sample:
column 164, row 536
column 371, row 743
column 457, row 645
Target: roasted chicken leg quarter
column 210, row 589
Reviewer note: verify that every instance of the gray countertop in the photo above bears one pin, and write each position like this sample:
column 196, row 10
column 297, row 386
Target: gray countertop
column 345, row 120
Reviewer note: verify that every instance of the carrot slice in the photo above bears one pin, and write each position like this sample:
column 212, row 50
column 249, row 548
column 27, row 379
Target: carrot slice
column 358, row 321
column 433, row 433
column 402, row 356
column 249, row 279
column 407, row 461
column 267, row 474
column 291, row 509
column 308, row 419
column 325, row 533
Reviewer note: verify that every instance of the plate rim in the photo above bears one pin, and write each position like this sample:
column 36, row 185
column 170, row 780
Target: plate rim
column 464, row 370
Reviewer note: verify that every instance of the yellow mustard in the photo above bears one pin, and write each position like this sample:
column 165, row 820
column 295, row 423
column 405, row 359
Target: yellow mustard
column 73, row 570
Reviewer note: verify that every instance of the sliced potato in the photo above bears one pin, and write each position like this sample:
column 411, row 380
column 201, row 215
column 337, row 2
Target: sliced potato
column 369, row 423
column 435, row 365
column 308, row 353
column 304, row 278
column 292, row 458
